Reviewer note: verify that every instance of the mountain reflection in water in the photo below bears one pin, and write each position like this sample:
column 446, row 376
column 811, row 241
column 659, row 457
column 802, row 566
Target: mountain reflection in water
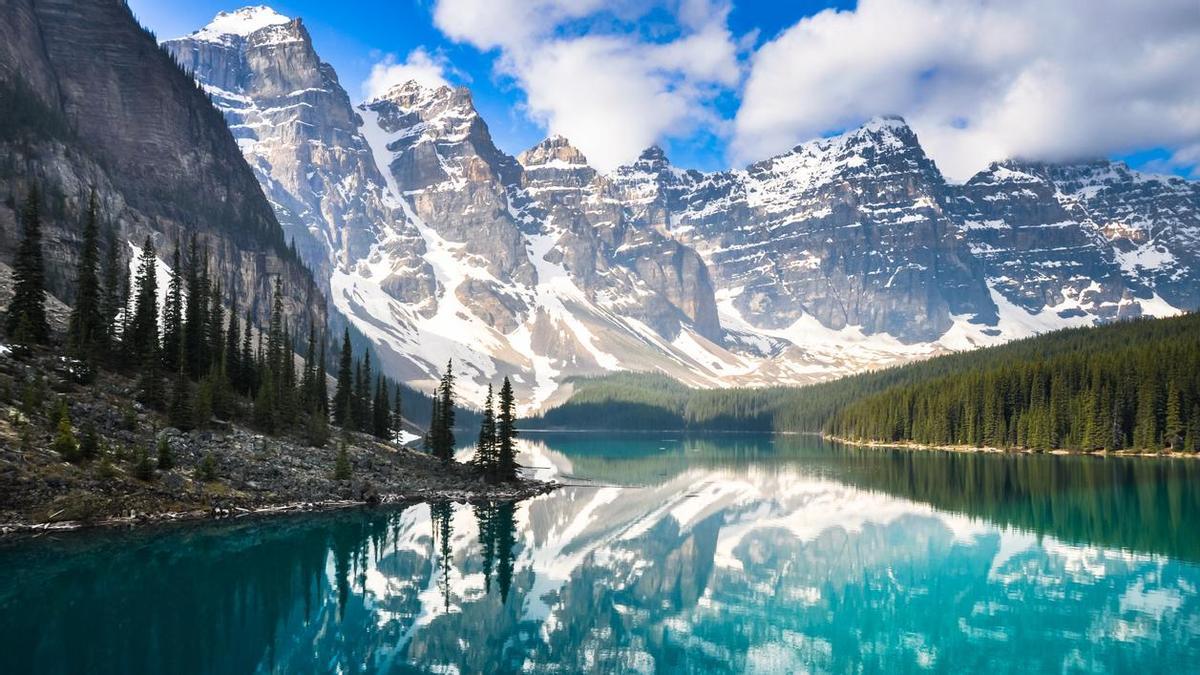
column 722, row 553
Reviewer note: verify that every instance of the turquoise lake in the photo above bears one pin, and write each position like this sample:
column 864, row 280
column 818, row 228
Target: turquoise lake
column 665, row 553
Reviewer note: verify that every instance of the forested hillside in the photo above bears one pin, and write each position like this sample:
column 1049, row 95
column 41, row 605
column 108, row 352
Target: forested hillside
column 1077, row 388
column 1135, row 386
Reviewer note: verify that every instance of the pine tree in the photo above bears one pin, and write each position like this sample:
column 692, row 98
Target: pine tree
column 89, row 441
column 485, row 447
column 443, row 439
column 363, row 397
column 429, row 441
column 85, row 330
column 342, row 469
column 172, row 334
column 216, row 328
column 64, row 440
column 180, row 411
column 26, row 320
column 322, row 390
column 343, row 395
column 397, row 416
column 381, row 411
column 1173, row 427
column 142, row 336
column 232, row 358
column 110, row 304
column 246, row 366
column 195, row 330
column 506, row 433
column 308, row 379
column 166, row 458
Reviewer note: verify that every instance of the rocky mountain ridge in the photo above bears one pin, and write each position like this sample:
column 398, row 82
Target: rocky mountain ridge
column 91, row 101
column 844, row 253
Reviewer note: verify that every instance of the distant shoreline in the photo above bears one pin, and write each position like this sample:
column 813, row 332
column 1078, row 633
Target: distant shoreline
column 909, row 445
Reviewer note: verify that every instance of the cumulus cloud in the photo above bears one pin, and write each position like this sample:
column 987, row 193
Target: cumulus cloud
column 588, row 73
column 420, row 65
column 982, row 80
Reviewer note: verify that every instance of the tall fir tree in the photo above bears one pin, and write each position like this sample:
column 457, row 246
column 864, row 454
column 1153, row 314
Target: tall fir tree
column 172, row 333
column 397, row 416
column 485, row 447
column 232, row 358
column 110, row 303
column 506, row 433
column 344, row 394
column 26, row 322
column 86, row 330
column 444, row 441
column 142, row 334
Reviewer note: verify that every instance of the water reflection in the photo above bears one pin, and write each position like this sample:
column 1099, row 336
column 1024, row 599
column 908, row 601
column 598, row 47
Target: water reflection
column 667, row 554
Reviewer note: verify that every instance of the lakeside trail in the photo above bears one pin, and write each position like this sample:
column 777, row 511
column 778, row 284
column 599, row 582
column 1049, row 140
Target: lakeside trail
column 909, row 445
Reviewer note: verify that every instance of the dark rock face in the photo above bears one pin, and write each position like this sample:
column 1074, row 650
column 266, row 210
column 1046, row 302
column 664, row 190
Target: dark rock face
column 138, row 130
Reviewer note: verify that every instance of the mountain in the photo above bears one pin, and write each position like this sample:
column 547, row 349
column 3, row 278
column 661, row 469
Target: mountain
column 91, row 101
column 842, row 254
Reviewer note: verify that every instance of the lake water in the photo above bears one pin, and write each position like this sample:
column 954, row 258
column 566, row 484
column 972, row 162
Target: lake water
column 666, row 554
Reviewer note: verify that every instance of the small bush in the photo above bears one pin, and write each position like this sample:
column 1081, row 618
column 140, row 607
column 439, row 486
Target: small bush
column 143, row 468
column 64, row 441
column 89, row 442
column 342, row 469
column 166, row 459
column 208, row 468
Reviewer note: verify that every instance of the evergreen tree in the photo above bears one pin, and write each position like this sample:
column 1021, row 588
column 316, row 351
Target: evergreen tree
column 216, row 328
column 180, row 411
column 342, row 469
column 166, row 458
column 172, row 334
column 485, row 447
column 506, row 433
column 363, row 397
column 114, row 274
column 232, row 358
column 1173, row 427
column 397, row 416
column 64, row 440
column 443, row 439
column 86, row 328
column 322, row 390
column 195, row 331
column 308, row 379
column 26, row 320
column 343, row 395
column 89, row 441
column 381, row 412
column 143, row 468
column 429, row 442
column 246, row 366
column 142, row 336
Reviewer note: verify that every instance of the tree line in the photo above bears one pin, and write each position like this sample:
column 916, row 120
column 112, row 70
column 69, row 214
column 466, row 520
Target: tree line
column 197, row 361
column 1144, row 395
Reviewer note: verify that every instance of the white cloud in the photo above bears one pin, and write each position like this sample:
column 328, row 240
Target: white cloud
column 982, row 80
column 589, row 76
column 426, row 69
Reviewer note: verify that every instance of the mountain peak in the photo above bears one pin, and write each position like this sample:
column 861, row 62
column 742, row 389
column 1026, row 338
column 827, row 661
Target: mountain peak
column 240, row 23
column 554, row 149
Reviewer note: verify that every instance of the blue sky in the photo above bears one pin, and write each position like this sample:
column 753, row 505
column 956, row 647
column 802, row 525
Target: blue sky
column 720, row 83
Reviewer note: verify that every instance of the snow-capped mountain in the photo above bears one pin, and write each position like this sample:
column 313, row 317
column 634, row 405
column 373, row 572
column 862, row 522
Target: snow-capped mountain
column 844, row 253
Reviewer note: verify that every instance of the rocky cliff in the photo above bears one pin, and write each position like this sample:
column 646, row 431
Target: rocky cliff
column 115, row 113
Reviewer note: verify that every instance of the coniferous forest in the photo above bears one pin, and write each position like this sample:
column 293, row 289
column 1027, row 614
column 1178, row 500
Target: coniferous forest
column 1128, row 385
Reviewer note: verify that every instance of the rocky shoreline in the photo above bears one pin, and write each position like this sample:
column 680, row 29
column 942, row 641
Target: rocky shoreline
column 221, row 471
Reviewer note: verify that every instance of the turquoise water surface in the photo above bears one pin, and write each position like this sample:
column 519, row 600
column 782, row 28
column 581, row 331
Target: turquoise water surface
column 664, row 554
